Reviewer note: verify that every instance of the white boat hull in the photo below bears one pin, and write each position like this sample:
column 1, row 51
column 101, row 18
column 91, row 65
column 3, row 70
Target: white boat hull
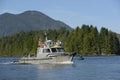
column 58, row 59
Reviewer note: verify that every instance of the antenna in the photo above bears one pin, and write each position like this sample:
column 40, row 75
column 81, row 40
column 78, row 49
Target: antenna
column 46, row 36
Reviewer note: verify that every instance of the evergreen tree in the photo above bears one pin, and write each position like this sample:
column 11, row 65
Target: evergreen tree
column 103, row 41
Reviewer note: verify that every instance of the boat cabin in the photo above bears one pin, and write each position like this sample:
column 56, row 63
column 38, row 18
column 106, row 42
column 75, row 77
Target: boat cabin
column 50, row 50
column 49, row 47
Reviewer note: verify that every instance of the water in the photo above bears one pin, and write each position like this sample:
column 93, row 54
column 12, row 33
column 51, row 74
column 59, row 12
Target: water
column 92, row 68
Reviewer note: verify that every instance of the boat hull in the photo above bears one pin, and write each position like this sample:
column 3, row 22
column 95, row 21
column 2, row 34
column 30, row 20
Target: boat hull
column 56, row 59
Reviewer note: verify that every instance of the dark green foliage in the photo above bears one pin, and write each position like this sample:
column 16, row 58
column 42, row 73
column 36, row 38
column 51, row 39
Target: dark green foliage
column 85, row 40
column 88, row 41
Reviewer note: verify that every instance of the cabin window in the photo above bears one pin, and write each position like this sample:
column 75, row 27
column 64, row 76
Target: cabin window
column 46, row 50
column 53, row 49
column 57, row 49
column 60, row 50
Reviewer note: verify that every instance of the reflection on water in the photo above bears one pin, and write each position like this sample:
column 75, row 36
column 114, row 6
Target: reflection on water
column 53, row 71
column 92, row 68
column 53, row 66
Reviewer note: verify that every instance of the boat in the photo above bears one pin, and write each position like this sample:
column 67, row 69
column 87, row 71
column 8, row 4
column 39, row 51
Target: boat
column 48, row 52
column 81, row 57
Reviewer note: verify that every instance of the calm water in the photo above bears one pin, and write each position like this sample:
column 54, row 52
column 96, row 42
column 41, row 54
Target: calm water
column 92, row 68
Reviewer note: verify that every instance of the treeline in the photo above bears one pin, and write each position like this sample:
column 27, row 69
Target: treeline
column 25, row 43
column 85, row 40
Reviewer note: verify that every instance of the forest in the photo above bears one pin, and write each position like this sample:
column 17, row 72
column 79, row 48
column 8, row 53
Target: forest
column 85, row 40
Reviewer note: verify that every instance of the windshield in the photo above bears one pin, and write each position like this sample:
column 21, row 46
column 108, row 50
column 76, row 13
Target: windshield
column 46, row 50
column 57, row 49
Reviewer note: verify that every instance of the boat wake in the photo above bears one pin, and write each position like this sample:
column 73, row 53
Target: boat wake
column 14, row 62
column 6, row 63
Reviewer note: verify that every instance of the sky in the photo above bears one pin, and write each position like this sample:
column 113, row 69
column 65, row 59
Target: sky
column 99, row 13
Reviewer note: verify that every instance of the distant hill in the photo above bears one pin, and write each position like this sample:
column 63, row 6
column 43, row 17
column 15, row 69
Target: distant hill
column 26, row 21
